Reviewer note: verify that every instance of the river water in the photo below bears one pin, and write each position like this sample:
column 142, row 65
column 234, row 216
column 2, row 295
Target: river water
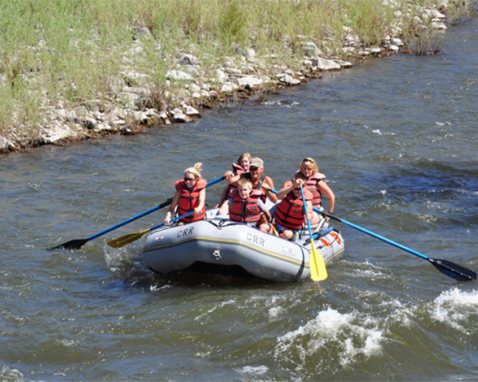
column 397, row 139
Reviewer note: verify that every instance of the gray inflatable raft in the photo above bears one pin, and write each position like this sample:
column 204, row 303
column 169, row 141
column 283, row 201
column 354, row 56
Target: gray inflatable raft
column 219, row 245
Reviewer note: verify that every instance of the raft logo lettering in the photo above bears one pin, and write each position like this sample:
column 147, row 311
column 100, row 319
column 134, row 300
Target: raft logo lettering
column 185, row 232
column 255, row 239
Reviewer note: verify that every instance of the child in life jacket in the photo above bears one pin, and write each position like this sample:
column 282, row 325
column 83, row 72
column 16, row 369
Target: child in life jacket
column 240, row 167
column 190, row 195
column 244, row 205
column 289, row 213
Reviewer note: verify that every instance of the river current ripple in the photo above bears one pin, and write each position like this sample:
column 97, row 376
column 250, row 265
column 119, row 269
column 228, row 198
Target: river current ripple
column 397, row 139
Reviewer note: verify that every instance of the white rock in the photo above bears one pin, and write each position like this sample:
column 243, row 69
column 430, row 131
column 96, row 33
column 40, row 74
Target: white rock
column 344, row 64
column 103, row 127
column 393, row 48
column 233, row 71
column 134, row 77
column 151, row 113
column 229, row 87
column 348, row 50
column 56, row 133
column 5, row 144
column 396, row 41
column 311, row 50
column 192, row 112
column 249, row 53
column 179, row 116
column 325, row 64
column 188, row 59
column 250, row 82
column 140, row 116
column 193, row 70
column 439, row 26
column 178, row 75
column 287, row 79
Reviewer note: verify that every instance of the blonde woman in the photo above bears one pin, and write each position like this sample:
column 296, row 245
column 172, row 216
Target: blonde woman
column 315, row 183
column 190, row 195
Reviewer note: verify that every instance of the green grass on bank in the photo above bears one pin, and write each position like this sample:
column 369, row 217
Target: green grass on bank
column 73, row 52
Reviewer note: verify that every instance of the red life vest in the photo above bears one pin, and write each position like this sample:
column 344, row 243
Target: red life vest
column 189, row 200
column 244, row 210
column 290, row 211
column 312, row 183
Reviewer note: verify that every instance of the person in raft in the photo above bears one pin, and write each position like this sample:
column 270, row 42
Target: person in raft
column 190, row 195
column 316, row 184
column 241, row 166
column 289, row 214
column 261, row 184
column 245, row 206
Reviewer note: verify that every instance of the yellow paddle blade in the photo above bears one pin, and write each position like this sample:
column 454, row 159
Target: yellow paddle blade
column 126, row 239
column 318, row 271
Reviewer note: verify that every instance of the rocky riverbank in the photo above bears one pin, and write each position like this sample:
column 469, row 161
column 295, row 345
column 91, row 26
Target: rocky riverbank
column 191, row 86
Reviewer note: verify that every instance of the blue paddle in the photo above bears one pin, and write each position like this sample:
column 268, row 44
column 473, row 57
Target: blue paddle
column 444, row 266
column 78, row 243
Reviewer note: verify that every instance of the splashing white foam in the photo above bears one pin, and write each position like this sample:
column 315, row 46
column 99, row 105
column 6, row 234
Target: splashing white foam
column 214, row 308
column 353, row 334
column 456, row 308
column 256, row 370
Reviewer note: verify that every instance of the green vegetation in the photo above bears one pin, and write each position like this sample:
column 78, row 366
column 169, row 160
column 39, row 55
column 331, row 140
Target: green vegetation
column 74, row 52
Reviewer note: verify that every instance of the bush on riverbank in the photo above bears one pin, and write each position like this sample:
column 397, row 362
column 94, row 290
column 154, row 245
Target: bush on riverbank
column 90, row 67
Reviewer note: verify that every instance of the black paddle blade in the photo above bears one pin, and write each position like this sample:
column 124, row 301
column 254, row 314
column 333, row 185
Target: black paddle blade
column 453, row 270
column 72, row 244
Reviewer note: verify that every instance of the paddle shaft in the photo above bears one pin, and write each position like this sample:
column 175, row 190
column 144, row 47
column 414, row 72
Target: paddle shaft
column 147, row 212
column 446, row 267
column 78, row 243
column 370, row 233
column 131, row 219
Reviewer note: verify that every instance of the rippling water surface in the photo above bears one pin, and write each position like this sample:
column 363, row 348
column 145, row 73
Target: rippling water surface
column 397, row 138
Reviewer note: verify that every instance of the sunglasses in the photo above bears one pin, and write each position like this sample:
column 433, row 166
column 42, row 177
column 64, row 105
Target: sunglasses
column 188, row 179
column 253, row 168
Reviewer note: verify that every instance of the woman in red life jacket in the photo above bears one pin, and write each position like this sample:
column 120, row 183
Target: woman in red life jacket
column 245, row 206
column 240, row 167
column 190, row 195
column 316, row 184
column 289, row 213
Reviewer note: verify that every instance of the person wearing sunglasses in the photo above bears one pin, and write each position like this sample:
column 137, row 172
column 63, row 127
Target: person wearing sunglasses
column 190, row 195
column 260, row 182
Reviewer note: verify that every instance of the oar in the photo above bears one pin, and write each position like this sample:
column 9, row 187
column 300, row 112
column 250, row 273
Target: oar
column 78, row 243
column 121, row 241
column 444, row 266
column 318, row 271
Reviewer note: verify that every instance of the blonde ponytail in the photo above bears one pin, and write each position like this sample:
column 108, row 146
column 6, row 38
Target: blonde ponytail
column 195, row 170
